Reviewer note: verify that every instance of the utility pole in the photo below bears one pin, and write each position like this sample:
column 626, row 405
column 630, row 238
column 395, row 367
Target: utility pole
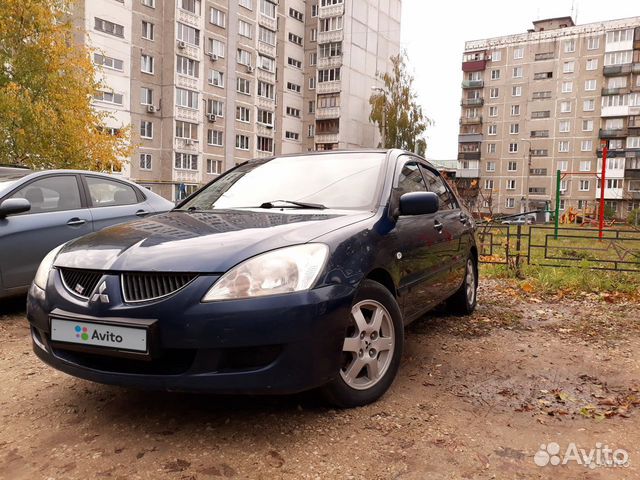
column 528, row 167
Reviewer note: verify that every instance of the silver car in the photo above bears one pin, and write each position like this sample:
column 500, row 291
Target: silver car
column 41, row 210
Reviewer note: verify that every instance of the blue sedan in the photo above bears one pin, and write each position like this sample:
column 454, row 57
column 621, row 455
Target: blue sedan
column 282, row 275
column 41, row 210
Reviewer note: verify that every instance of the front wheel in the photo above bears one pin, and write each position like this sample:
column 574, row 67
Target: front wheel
column 371, row 351
column 463, row 302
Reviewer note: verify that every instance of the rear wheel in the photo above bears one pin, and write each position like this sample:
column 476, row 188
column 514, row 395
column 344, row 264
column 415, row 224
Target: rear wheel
column 371, row 350
column 463, row 302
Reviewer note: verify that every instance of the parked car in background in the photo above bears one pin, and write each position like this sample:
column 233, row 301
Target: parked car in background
column 528, row 219
column 283, row 274
column 41, row 210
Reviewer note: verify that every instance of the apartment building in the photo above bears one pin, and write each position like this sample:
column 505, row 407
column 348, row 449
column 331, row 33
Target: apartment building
column 547, row 100
column 209, row 84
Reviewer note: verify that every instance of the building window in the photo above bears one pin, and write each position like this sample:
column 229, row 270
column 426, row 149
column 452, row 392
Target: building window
column 518, row 53
column 496, row 55
column 149, row 3
column 514, row 128
column 215, row 138
column 491, row 166
column 516, row 91
column 495, row 74
column 587, row 125
column 243, row 86
column 146, row 129
column 218, row 17
column 242, row 142
column 330, row 75
column 264, row 144
column 147, row 30
column 146, row 96
column 108, row 62
column 327, row 3
column 590, row 85
column 294, row 63
column 215, row 107
column 108, row 97
column 585, row 165
column 187, row 66
column 243, row 114
column 266, row 63
column 216, row 47
column 110, row 28
column 584, row 185
column 569, row 67
column 491, row 148
column 570, row 45
column 515, row 110
column 266, row 90
column 488, row 184
column 268, row 9
column 511, row 184
column 293, row 87
column 563, row 165
column 313, row 34
column 492, row 130
column 192, row 6
column 331, row 49
column 510, row 202
column 145, row 161
column 214, row 167
column 312, row 83
column 248, row 4
column 513, row 148
column 592, row 64
column 265, row 117
column 616, row 36
column 216, row 78
column 565, row 107
column 293, row 13
column 314, row 10
column 517, row 72
column 146, row 64
column 331, row 24
column 313, row 58
column 292, row 136
column 494, row 92
column 245, row 29
column 311, row 131
column 593, row 43
column 312, row 106
column 512, row 166
column 493, row 111
column 618, row 58
column 564, row 126
column 293, row 112
column 563, row 146
column 589, row 105
column 186, row 130
column 293, row 38
column 267, row 36
column 567, row 87
column 243, row 57
column 188, row 34
column 186, row 161
column 186, row 98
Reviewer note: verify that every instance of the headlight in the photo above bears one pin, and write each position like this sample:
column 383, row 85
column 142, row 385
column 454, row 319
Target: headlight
column 42, row 275
column 289, row 269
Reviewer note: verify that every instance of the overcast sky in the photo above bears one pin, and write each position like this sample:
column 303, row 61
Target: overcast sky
column 433, row 33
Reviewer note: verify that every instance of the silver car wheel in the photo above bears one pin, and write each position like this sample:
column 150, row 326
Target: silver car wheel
column 470, row 282
column 369, row 345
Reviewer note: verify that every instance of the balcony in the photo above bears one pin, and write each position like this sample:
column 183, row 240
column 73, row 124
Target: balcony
column 471, row 121
column 264, row 103
column 184, row 81
column 472, row 84
column 613, row 133
column 332, row 36
column 263, row 154
column 474, row 66
column 610, row 193
column 327, row 137
column 324, row 113
column 472, row 102
column 329, row 87
column 330, row 62
column 186, row 145
column 187, row 114
column 544, row 56
column 264, row 130
column 620, row 153
column 468, row 173
column 469, row 155
column 635, row 68
column 266, row 49
column 188, row 18
column 188, row 50
column 185, row 176
column 616, row 91
column 265, row 75
column 270, row 23
column 331, row 11
column 632, row 173
column 469, row 138
column 613, row 70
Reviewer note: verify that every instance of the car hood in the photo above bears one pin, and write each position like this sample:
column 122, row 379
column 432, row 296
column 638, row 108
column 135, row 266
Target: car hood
column 199, row 242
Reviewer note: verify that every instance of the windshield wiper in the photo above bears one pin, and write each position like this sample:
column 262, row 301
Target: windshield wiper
column 311, row 206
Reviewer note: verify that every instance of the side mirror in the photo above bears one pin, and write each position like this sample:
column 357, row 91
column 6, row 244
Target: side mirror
column 419, row 203
column 12, row 206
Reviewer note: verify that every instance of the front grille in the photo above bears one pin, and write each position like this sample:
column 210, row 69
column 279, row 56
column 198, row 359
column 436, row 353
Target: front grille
column 142, row 287
column 80, row 282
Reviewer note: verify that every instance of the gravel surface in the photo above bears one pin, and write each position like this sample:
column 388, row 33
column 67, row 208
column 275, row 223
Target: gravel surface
column 475, row 398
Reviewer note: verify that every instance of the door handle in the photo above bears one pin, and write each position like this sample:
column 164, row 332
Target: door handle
column 438, row 226
column 75, row 221
column 142, row 213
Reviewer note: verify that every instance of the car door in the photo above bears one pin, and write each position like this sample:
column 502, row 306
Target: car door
column 416, row 239
column 112, row 201
column 57, row 215
column 454, row 235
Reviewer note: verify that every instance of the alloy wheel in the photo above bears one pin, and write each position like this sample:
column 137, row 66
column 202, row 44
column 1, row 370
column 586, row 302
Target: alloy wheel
column 470, row 282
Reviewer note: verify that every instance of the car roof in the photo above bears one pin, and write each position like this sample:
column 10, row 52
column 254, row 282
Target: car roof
column 13, row 173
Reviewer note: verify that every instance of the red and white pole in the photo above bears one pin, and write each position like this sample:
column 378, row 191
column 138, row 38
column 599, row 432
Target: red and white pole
column 603, row 185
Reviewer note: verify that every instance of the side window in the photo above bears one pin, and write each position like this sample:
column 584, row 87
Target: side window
column 436, row 185
column 109, row 193
column 51, row 194
column 410, row 179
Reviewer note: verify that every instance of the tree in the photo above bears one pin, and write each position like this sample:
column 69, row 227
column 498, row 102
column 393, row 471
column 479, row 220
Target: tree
column 396, row 111
column 47, row 81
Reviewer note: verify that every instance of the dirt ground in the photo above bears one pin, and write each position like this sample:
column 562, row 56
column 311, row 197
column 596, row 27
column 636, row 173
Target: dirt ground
column 475, row 398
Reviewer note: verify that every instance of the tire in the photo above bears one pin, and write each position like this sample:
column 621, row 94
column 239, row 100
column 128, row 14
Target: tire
column 464, row 301
column 371, row 352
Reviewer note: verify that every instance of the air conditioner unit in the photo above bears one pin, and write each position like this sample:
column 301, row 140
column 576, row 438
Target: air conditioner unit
column 182, row 45
column 214, row 57
column 151, row 109
column 250, row 69
column 211, row 117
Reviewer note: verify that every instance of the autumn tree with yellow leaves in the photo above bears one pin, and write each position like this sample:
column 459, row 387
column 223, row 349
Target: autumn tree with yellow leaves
column 47, row 81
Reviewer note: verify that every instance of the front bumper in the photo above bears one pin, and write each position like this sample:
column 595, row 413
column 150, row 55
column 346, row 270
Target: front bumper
column 278, row 344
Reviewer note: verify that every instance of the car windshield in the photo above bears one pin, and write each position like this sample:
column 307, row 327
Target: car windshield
column 344, row 181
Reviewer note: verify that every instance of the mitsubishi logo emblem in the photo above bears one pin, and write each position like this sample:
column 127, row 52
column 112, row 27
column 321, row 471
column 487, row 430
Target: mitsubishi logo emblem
column 100, row 296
